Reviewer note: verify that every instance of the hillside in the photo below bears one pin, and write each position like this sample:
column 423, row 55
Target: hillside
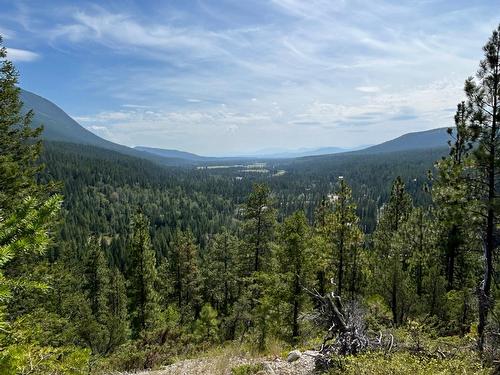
column 428, row 139
column 60, row 127
column 172, row 153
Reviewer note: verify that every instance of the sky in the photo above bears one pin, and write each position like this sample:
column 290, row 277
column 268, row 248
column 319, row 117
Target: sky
column 220, row 77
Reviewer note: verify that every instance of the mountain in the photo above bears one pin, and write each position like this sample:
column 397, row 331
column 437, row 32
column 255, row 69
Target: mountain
column 173, row 153
column 60, row 127
column 428, row 139
column 288, row 154
column 258, row 155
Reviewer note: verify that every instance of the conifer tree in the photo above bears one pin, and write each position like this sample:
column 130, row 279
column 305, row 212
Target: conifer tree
column 206, row 326
column 340, row 230
column 117, row 323
column 96, row 284
column 346, row 236
column 220, row 271
column 483, row 111
column 95, row 287
column 294, row 258
column 421, row 283
column 322, row 259
column 260, row 220
column 142, row 279
column 387, row 257
column 452, row 193
column 186, row 275
column 20, row 145
column 28, row 214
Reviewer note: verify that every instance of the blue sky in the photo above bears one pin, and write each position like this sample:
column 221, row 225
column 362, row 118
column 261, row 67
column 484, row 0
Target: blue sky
column 226, row 77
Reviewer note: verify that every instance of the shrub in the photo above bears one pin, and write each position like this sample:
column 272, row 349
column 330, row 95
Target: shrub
column 249, row 369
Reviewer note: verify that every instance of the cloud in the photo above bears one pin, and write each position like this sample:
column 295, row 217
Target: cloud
column 15, row 54
column 368, row 89
column 6, row 33
column 122, row 31
column 320, row 69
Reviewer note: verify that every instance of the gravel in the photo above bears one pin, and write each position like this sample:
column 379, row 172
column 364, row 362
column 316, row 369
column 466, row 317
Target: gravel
column 222, row 365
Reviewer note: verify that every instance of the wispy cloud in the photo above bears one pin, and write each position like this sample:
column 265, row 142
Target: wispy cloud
column 15, row 54
column 248, row 75
column 368, row 89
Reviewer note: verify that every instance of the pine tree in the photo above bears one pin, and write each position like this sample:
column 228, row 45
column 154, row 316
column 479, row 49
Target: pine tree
column 28, row 214
column 321, row 240
column 94, row 313
column 206, row 326
column 96, row 276
column 220, row 272
column 483, row 111
column 186, row 275
column 294, row 259
column 255, row 264
column 142, row 279
column 422, row 281
column 117, row 323
column 339, row 229
column 20, row 145
column 346, row 237
column 388, row 260
column 258, row 227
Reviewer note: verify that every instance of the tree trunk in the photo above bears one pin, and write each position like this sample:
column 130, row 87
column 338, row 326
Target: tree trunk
column 451, row 252
column 394, row 300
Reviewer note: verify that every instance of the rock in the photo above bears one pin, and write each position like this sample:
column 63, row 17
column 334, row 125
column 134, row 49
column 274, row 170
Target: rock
column 268, row 369
column 294, row 355
column 311, row 353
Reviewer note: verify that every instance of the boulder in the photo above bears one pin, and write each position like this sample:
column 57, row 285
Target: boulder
column 294, row 355
column 311, row 353
column 268, row 369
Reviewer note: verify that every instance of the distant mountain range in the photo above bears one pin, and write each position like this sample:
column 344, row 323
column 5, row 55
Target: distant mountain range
column 166, row 153
column 59, row 126
column 287, row 154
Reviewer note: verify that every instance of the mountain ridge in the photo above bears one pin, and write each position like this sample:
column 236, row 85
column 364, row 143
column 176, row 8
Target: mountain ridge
column 59, row 126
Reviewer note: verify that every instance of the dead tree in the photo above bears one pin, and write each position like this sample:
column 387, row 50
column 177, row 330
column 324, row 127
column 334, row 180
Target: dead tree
column 346, row 333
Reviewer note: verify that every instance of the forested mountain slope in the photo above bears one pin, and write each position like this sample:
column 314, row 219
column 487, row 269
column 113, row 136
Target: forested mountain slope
column 59, row 126
column 423, row 140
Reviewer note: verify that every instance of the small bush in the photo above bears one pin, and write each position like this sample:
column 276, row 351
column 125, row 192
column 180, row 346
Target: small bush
column 406, row 363
column 250, row 369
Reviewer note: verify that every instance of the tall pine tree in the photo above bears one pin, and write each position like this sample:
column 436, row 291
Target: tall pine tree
column 142, row 278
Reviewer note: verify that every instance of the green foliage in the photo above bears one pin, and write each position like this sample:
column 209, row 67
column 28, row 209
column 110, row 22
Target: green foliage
column 294, row 258
column 248, row 369
column 19, row 143
column 185, row 276
column 31, row 359
column 340, row 231
column 260, row 220
column 406, row 363
column 144, row 298
column 206, row 326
